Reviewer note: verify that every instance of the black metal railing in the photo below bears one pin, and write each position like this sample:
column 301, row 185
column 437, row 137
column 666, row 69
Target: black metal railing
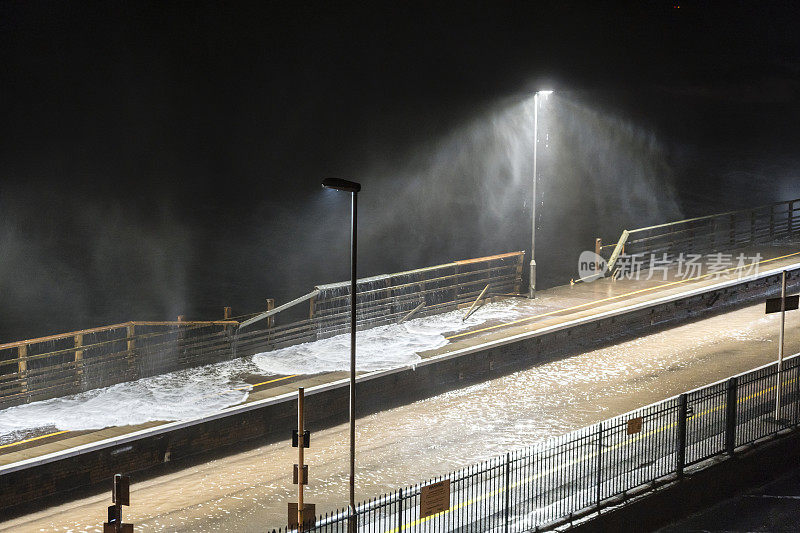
column 712, row 233
column 554, row 482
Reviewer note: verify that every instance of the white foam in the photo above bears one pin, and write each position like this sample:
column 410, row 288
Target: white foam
column 382, row 347
column 174, row 396
column 208, row 389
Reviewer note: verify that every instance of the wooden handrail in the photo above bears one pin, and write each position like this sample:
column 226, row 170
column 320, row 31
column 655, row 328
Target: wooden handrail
column 121, row 325
column 488, row 258
column 418, row 270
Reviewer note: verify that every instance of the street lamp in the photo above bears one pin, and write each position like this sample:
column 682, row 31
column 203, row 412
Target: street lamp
column 532, row 282
column 351, row 187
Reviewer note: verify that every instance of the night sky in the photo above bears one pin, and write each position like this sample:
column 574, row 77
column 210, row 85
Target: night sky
column 164, row 158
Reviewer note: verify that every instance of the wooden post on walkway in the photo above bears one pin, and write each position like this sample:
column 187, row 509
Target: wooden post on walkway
column 270, row 307
column 598, row 247
column 22, row 355
column 78, row 357
column 131, row 347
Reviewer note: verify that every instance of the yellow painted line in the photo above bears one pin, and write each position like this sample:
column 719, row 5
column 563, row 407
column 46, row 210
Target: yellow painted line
column 581, row 459
column 491, row 328
column 575, row 307
column 33, row 439
column 266, row 382
column 253, row 386
column 67, row 431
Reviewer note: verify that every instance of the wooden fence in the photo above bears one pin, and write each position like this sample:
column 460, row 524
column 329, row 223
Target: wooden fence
column 68, row 363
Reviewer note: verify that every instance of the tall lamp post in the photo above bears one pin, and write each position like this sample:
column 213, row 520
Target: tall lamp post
column 532, row 282
column 353, row 188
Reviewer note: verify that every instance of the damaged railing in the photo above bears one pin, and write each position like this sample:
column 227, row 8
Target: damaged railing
column 71, row 362
column 67, row 363
column 388, row 298
column 722, row 231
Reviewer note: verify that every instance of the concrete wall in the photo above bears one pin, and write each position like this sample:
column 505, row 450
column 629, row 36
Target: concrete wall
column 271, row 420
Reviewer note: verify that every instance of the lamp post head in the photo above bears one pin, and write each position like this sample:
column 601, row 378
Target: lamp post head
column 544, row 93
column 341, row 185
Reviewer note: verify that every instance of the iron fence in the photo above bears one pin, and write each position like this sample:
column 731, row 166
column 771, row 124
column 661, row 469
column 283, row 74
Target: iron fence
column 552, row 483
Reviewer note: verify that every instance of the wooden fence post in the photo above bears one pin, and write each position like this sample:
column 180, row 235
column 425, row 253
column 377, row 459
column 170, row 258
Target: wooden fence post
column 270, row 307
column 22, row 354
column 78, row 357
column 131, row 329
column 598, row 247
column 388, row 295
column 458, row 284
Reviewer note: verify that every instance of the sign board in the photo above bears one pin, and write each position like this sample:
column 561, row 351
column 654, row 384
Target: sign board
column 114, row 514
column 634, row 425
column 305, row 474
column 309, row 515
column 774, row 304
column 121, row 494
column 434, row 498
column 306, row 439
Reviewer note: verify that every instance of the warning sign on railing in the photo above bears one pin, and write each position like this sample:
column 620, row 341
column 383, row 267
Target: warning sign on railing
column 434, row 498
column 634, row 425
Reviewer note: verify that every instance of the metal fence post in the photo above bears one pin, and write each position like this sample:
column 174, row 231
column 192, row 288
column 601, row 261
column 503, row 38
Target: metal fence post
column 730, row 415
column 508, row 489
column 797, row 395
column 680, row 452
column 400, row 511
column 599, row 461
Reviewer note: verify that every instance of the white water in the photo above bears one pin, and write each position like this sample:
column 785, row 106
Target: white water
column 175, row 396
column 381, row 347
column 201, row 391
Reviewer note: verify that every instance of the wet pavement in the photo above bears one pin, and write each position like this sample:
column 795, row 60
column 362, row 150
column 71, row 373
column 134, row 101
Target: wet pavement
column 153, row 401
column 248, row 491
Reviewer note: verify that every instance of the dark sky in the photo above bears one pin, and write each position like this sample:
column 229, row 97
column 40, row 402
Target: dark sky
column 164, row 158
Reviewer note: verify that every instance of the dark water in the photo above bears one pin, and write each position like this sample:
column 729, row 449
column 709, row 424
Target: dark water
column 75, row 255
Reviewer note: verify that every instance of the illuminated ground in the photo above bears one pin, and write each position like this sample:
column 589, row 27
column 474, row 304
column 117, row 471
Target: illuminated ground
column 553, row 306
column 248, row 491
